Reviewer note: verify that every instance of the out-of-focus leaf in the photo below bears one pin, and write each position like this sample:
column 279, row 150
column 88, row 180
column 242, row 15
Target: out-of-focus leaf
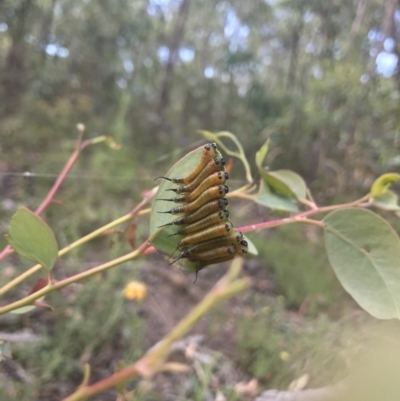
column 286, row 182
column 364, row 252
column 252, row 250
column 23, row 309
column 266, row 197
column 382, row 183
column 43, row 305
column 260, row 155
column 40, row 283
column 387, row 201
column 130, row 234
column 32, row 238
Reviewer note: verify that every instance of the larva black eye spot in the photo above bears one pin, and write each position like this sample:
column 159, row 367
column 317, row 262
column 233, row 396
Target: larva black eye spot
column 226, row 189
column 228, row 226
column 226, row 213
column 214, row 145
column 231, row 249
column 226, row 175
column 221, row 215
column 207, row 147
column 244, row 243
column 239, row 236
column 225, row 201
column 223, row 162
column 244, row 250
column 220, row 176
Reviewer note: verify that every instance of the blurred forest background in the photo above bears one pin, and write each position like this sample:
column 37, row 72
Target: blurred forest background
column 320, row 78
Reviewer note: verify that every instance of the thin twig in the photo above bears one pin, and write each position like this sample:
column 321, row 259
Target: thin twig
column 154, row 360
column 8, row 250
column 19, row 279
column 28, row 300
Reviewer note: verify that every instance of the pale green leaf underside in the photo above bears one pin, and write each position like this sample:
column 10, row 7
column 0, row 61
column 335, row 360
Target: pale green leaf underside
column 364, row 252
column 286, row 182
column 266, row 197
column 387, row 201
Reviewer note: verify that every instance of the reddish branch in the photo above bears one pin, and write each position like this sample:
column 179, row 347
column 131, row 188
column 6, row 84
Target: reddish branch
column 50, row 196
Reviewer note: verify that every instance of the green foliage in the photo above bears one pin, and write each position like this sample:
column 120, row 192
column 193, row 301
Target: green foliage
column 274, row 201
column 277, row 350
column 32, row 238
column 383, row 183
column 364, row 251
column 387, row 201
column 296, row 73
column 96, row 320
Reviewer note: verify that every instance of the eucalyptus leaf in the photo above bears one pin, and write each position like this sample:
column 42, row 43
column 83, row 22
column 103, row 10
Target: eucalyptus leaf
column 252, row 250
column 23, row 309
column 274, row 201
column 32, row 238
column 261, row 154
column 364, row 252
column 383, row 183
column 387, row 201
column 286, row 182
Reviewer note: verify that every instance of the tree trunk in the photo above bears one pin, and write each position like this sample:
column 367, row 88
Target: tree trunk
column 355, row 27
column 14, row 76
column 46, row 28
column 387, row 31
column 173, row 47
column 294, row 51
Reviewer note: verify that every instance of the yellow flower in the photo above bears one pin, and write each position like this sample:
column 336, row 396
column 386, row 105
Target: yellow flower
column 135, row 290
column 284, row 355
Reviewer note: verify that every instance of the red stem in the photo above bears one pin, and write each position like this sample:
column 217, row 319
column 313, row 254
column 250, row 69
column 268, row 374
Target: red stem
column 50, row 196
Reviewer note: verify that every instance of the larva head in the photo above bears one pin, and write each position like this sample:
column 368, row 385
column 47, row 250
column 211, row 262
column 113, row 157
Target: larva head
column 219, row 161
column 243, row 249
column 238, row 235
column 228, row 226
column 222, row 203
column 223, row 214
column 223, row 189
column 222, row 176
column 210, row 148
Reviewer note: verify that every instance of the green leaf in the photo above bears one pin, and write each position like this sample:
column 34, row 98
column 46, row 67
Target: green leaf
column 364, row 252
column 286, row 182
column 382, row 183
column 32, row 238
column 23, row 309
column 387, row 201
column 260, row 155
column 252, row 248
column 266, row 197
